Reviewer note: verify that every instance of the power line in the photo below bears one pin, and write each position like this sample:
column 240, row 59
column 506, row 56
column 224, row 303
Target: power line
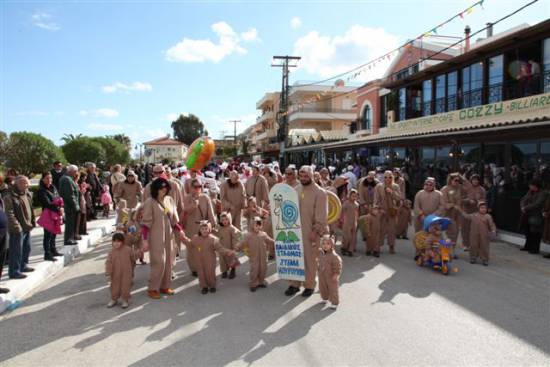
column 432, row 55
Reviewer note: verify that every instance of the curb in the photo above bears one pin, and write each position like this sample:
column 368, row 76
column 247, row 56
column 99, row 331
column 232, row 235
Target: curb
column 518, row 240
column 47, row 269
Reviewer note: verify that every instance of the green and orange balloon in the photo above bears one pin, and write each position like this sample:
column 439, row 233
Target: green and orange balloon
column 200, row 153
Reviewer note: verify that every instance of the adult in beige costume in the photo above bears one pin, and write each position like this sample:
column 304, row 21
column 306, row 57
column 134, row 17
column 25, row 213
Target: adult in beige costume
column 233, row 197
column 388, row 196
column 313, row 217
column 197, row 207
column 159, row 224
column 365, row 188
column 257, row 186
column 453, row 194
column 427, row 201
column 130, row 190
column 475, row 194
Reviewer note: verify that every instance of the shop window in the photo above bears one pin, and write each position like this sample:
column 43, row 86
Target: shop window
column 496, row 75
column 443, row 165
column 366, row 121
column 402, row 104
column 427, row 97
column 546, row 64
column 452, row 87
column 427, row 162
column 440, row 94
column 524, row 165
column 469, row 159
column 472, row 85
column 544, row 164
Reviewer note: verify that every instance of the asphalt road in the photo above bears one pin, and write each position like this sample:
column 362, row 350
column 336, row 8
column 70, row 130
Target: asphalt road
column 392, row 313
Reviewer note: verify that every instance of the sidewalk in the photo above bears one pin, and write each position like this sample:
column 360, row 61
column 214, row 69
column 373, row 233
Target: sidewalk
column 43, row 270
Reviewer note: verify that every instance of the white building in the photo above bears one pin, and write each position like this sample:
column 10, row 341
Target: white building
column 163, row 148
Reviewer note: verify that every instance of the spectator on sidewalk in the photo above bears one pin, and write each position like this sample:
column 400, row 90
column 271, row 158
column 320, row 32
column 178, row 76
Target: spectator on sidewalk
column 68, row 189
column 3, row 240
column 532, row 221
column 86, row 205
column 94, row 189
column 18, row 204
column 49, row 200
column 57, row 172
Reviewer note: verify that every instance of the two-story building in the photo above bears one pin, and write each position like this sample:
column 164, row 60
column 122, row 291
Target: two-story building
column 163, row 149
column 485, row 111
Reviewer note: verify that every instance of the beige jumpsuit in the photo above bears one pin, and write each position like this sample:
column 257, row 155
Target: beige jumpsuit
column 373, row 232
column 257, row 187
column 350, row 216
column 426, row 202
column 160, row 219
column 452, row 197
column 403, row 221
column 193, row 214
column 474, row 195
column 330, row 264
column 313, row 217
column 257, row 252
column 233, row 200
column 389, row 203
column 131, row 192
column 205, row 249
column 229, row 238
column 481, row 227
column 119, row 267
column 366, row 194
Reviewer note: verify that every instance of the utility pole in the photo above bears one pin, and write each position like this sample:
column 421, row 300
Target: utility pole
column 282, row 115
column 235, row 133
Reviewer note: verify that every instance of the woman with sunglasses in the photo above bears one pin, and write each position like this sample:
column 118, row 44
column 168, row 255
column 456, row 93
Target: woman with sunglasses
column 453, row 194
column 197, row 207
column 159, row 225
column 388, row 197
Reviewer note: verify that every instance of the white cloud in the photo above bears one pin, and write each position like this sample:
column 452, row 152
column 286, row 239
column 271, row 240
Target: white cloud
column 127, row 88
column 295, row 23
column 326, row 56
column 250, row 35
column 31, row 114
column 102, row 112
column 200, row 50
column 104, row 127
column 44, row 21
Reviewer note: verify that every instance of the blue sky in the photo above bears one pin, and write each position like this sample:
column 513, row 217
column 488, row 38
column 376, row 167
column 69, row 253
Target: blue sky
column 100, row 67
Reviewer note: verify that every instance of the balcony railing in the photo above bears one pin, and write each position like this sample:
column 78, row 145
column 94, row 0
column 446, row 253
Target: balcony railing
column 507, row 90
column 324, row 109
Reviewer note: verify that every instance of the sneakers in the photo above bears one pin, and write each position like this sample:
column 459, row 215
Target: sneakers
column 485, row 262
column 472, row 261
column 263, row 285
column 376, row 254
column 307, row 292
column 18, row 276
column 49, row 257
column 153, row 294
column 111, row 303
column 224, row 274
column 4, row 290
column 232, row 273
column 333, row 306
column 27, row 270
column 167, row 291
column 253, row 289
column 124, row 304
column 323, row 302
column 204, row 290
column 291, row 291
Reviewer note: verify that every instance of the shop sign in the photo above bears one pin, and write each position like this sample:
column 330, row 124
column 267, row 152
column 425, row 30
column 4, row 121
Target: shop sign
column 539, row 105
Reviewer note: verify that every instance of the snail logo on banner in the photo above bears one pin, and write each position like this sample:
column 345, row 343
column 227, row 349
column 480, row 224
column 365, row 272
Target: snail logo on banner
column 287, row 230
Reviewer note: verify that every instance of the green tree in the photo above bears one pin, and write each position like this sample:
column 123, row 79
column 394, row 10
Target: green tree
column 30, row 153
column 115, row 152
column 84, row 149
column 3, row 146
column 123, row 139
column 188, row 128
column 69, row 137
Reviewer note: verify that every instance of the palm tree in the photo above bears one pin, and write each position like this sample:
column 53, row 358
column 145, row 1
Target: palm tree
column 123, row 139
column 70, row 137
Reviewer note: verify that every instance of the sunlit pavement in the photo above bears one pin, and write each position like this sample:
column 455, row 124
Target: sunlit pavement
column 391, row 313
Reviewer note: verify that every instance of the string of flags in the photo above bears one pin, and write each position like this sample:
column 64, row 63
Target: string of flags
column 384, row 58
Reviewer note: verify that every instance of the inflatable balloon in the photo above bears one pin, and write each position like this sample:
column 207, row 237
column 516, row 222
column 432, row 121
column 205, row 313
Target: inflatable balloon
column 334, row 207
column 200, row 153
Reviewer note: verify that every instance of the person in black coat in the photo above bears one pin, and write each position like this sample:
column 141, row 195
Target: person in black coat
column 57, row 172
column 3, row 240
column 94, row 188
column 532, row 220
column 47, row 193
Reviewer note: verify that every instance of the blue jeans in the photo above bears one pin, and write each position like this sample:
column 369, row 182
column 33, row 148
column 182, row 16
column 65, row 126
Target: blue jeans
column 20, row 249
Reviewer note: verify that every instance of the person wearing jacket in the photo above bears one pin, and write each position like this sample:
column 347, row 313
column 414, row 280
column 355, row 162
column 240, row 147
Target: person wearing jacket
column 68, row 189
column 18, row 204
column 95, row 189
column 532, row 220
column 49, row 200
column 3, row 239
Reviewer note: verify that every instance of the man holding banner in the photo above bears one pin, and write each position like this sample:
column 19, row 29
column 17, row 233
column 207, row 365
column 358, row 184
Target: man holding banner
column 313, row 217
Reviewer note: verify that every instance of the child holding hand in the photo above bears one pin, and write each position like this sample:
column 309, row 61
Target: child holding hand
column 119, row 269
column 329, row 270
